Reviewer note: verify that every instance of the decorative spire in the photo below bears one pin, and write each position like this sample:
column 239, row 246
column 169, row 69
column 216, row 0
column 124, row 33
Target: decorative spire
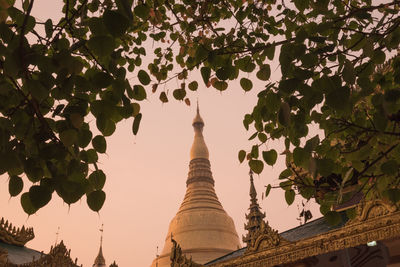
column 199, row 148
column 57, row 233
column 100, row 261
column 255, row 218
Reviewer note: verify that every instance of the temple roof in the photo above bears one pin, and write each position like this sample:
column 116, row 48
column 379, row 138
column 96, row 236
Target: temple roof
column 310, row 229
column 20, row 255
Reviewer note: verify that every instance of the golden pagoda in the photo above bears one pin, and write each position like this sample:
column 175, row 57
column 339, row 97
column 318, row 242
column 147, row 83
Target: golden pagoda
column 201, row 226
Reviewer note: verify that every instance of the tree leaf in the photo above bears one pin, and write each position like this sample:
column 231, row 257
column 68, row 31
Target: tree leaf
column 285, row 174
column 99, row 144
column 301, row 5
column 348, row 73
column 101, row 45
column 39, row 196
column 179, row 94
column 97, row 179
column 105, row 125
column 256, row 166
column 205, row 74
column 220, row 85
column 193, row 86
column 338, row 98
column 27, row 204
column 163, row 97
column 95, row 200
column 84, row 137
column 246, row 84
column 76, row 120
column 101, row 79
column 289, row 196
column 142, row 11
column 92, row 156
column 268, row 190
column 300, row 156
column 270, row 156
column 241, row 155
column 48, row 26
column 139, row 93
column 15, row 185
column 136, row 123
column 68, row 137
column 144, row 78
column 284, row 114
column 115, row 23
column 390, row 167
column 264, row 73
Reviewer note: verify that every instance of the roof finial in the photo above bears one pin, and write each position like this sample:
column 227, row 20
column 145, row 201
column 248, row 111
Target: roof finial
column 57, row 233
column 100, row 261
column 101, row 236
column 253, row 192
column 198, row 109
column 255, row 216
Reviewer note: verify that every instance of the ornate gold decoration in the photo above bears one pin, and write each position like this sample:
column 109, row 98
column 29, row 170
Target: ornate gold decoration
column 254, row 218
column 15, row 236
column 260, row 235
column 266, row 238
column 58, row 256
column 372, row 209
column 178, row 259
column 376, row 221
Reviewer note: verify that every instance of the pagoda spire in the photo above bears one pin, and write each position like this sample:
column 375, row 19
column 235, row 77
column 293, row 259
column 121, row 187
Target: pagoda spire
column 255, row 217
column 199, row 148
column 100, row 261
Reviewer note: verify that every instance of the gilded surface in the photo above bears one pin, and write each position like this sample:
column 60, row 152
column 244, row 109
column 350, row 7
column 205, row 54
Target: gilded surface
column 15, row 236
column 265, row 238
column 201, row 226
column 375, row 221
column 59, row 256
column 260, row 236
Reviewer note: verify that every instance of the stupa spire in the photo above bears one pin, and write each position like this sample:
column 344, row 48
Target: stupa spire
column 255, row 216
column 199, row 148
column 100, row 261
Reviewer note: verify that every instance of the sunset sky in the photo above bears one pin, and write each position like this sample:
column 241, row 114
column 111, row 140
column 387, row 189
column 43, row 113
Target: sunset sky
column 146, row 177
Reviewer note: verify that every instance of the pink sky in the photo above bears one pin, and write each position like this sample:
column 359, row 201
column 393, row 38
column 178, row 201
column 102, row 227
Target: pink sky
column 146, row 178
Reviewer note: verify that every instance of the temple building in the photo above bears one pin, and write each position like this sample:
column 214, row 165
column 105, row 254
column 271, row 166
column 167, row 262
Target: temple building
column 371, row 239
column 201, row 226
column 14, row 253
